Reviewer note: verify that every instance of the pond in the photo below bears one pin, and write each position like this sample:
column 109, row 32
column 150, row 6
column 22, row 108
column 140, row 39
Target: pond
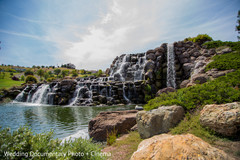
column 65, row 121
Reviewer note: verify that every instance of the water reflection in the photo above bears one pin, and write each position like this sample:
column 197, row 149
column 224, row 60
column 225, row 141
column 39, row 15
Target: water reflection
column 64, row 120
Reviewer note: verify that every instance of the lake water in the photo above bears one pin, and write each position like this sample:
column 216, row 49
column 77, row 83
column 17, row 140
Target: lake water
column 65, row 121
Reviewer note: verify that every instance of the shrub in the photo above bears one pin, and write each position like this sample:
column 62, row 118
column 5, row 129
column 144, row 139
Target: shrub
column 15, row 78
column 225, row 61
column 201, row 38
column 65, row 73
column 11, row 70
column 74, row 73
column 215, row 44
column 57, row 71
column 22, row 78
column 24, row 140
column 221, row 90
column 51, row 79
column 31, row 79
column 111, row 137
column 40, row 72
column 28, row 72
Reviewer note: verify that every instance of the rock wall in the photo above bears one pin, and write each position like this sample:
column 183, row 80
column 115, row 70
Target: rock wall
column 83, row 92
column 128, row 76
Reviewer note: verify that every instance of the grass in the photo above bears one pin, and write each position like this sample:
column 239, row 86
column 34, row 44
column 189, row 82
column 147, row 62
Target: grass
column 124, row 148
column 191, row 124
column 111, row 137
column 7, row 82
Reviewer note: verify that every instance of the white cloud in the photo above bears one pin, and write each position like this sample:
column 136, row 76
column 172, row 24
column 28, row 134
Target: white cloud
column 92, row 36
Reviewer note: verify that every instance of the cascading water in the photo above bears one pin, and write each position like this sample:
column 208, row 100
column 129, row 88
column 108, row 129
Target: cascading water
column 20, row 96
column 124, row 94
column 40, row 96
column 171, row 75
column 75, row 96
column 138, row 74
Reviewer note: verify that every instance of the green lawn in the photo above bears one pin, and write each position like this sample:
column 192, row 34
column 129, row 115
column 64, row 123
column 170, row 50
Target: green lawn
column 7, row 82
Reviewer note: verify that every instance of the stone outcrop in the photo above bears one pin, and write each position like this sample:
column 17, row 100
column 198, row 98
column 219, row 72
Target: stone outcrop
column 223, row 118
column 159, row 120
column 167, row 147
column 165, row 90
column 105, row 122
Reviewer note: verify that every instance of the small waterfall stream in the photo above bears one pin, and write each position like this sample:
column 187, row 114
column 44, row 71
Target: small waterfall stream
column 171, row 75
column 40, row 96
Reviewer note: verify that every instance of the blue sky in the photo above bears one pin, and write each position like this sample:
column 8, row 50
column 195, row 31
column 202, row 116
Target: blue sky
column 92, row 33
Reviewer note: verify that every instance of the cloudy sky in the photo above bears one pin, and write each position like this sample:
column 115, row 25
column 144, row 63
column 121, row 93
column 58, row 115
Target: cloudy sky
column 91, row 33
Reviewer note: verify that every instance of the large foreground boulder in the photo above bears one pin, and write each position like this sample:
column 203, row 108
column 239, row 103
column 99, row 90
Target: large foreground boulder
column 222, row 118
column 159, row 120
column 169, row 147
column 106, row 122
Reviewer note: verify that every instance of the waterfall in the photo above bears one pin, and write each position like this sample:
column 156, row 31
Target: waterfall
column 75, row 95
column 138, row 73
column 121, row 69
column 171, row 75
column 20, row 96
column 40, row 96
column 124, row 94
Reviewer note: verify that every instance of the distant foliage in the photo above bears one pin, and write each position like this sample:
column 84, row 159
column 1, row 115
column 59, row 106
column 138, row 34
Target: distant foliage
column 40, row 72
column 224, row 89
column 15, row 78
column 74, row 73
column 65, row 73
column 11, row 70
column 22, row 78
column 57, row 71
column 51, row 79
column 201, row 38
column 215, row 44
column 225, row 61
column 31, row 79
column 28, row 72
column 24, row 140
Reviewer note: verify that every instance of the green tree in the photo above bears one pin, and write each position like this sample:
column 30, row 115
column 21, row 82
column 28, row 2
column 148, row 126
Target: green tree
column 40, row 72
column 28, row 72
column 99, row 73
column 82, row 71
column 46, row 76
column 238, row 24
column 74, row 73
column 22, row 78
column 65, row 73
column 31, row 79
column 57, row 71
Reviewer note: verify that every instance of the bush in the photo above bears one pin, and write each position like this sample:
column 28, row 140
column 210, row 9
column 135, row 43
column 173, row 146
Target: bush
column 24, row 140
column 11, row 70
column 225, row 61
column 221, row 90
column 22, row 78
column 51, row 79
column 31, row 79
column 28, row 72
column 15, row 78
column 215, row 44
column 201, row 38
